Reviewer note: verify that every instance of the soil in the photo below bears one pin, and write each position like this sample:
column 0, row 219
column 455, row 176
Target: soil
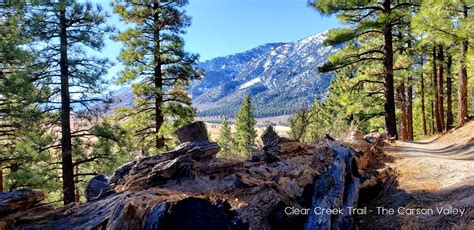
column 437, row 172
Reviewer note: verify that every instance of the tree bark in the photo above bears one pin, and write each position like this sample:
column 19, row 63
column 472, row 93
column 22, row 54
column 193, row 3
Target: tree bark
column 66, row 145
column 409, row 106
column 158, row 80
column 432, row 117
column 432, row 101
column 441, row 88
column 436, row 93
column 423, row 112
column 449, row 91
column 389, row 104
column 403, row 112
column 463, row 116
column 76, row 181
column 472, row 102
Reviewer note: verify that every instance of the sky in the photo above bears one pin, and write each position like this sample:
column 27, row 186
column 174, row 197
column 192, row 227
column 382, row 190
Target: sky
column 223, row 27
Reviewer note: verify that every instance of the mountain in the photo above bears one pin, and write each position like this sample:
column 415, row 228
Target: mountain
column 280, row 77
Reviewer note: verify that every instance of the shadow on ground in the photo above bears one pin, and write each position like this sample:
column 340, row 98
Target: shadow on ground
column 390, row 196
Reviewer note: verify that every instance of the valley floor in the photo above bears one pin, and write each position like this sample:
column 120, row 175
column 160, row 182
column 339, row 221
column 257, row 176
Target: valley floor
column 433, row 174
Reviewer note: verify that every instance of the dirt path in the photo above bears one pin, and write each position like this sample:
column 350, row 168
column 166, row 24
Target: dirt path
column 434, row 173
column 434, row 164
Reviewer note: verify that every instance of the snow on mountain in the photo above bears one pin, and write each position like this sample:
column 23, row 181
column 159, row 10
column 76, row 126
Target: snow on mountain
column 280, row 77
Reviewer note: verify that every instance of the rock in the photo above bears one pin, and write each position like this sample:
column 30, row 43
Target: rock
column 96, row 186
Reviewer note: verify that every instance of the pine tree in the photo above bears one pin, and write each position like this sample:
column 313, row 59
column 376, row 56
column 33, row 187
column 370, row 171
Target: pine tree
column 62, row 33
column 448, row 22
column 369, row 39
column 158, row 68
column 245, row 128
column 19, row 97
column 299, row 123
column 225, row 139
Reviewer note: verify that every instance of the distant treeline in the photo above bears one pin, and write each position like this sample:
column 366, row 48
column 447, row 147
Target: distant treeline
column 259, row 112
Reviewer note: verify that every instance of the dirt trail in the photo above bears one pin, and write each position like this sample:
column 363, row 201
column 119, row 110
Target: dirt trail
column 437, row 163
column 436, row 172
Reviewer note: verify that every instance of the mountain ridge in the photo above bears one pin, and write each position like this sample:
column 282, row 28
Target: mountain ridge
column 280, row 77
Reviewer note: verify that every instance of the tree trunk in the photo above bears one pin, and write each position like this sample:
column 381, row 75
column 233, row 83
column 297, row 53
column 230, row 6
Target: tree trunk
column 463, row 116
column 423, row 113
column 449, row 112
column 389, row 103
column 66, row 145
column 409, row 106
column 433, row 128
column 472, row 102
column 441, row 87
column 433, row 117
column 76, row 180
column 14, row 167
column 403, row 112
column 436, row 92
column 158, row 80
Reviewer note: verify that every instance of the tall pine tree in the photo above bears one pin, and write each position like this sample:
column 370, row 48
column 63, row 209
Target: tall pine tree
column 369, row 39
column 158, row 68
column 245, row 128
column 447, row 22
column 63, row 32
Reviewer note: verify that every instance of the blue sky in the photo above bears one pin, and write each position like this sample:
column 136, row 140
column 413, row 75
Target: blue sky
column 223, row 27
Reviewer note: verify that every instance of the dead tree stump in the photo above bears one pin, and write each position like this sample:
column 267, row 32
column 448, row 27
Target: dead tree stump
column 194, row 132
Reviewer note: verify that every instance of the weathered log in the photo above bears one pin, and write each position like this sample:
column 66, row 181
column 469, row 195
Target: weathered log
column 125, row 216
column 200, row 214
column 19, row 200
column 187, row 188
column 193, row 132
column 279, row 219
column 336, row 189
column 155, row 170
